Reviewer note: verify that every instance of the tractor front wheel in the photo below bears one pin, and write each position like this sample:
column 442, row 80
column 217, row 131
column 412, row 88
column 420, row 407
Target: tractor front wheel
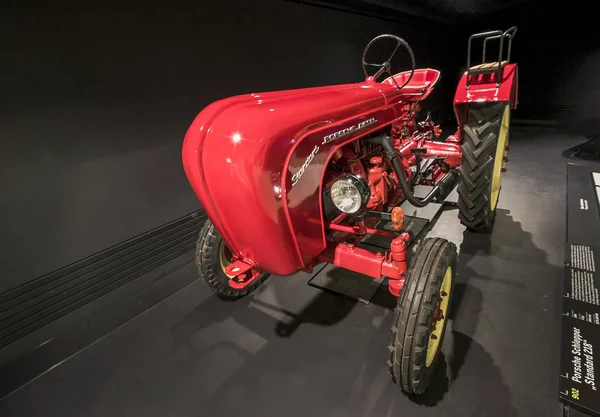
column 421, row 315
column 212, row 257
column 485, row 143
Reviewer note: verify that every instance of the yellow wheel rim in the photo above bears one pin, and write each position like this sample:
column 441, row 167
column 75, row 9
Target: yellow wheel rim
column 499, row 159
column 225, row 260
column 435, row 338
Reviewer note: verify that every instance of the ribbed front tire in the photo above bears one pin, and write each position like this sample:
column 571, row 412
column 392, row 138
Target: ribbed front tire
column 418, row 329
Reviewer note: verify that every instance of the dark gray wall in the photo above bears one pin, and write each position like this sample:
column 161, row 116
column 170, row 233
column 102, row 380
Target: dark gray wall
column 97, row 97
column 557, row 48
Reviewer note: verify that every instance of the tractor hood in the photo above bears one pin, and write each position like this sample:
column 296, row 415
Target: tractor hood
column 255, row 162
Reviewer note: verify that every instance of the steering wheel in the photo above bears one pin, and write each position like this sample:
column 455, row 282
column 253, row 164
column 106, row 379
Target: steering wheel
column 386, row 65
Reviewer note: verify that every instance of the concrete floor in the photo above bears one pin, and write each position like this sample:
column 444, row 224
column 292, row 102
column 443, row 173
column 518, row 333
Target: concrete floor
column 293, row 350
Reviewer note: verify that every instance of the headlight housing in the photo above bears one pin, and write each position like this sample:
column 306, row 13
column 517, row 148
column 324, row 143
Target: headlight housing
column 350, row 193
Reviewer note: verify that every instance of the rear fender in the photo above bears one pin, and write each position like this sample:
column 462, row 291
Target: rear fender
column 483, row 88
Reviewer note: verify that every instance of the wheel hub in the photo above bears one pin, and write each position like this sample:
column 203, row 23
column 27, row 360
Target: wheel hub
column 240, row 273
column 226, row 257
column 439, row 318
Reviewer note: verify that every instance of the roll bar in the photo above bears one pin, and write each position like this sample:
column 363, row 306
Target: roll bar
column 491, row 35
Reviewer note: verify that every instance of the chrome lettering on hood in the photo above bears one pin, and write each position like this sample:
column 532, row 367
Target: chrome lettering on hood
column 305, row 165
column 348, row 130
column 327, row 139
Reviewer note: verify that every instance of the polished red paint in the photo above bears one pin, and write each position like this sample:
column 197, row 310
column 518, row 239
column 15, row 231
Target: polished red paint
column 364, row 262
column 244, row 274
column 358, row 230
column 257, row 164
column 398, row 254
column 395, row 286
column 237, row 267
column 392, row 264
column 378, row 183
column 422, row 80
column 240, row 153
column 236, row 155
column 451, row 151
column 483, row 88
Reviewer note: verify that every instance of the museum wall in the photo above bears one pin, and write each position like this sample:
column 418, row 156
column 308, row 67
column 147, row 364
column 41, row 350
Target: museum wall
column 558, row 52
column 97, row 97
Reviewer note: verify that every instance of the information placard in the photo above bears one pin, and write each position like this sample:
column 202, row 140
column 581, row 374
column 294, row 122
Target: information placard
column 580, row 350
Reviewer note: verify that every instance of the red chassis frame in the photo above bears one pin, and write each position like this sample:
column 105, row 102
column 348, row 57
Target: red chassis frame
column 257, row 162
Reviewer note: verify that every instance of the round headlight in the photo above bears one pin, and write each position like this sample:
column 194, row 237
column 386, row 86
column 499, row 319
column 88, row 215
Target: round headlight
column 350, row 193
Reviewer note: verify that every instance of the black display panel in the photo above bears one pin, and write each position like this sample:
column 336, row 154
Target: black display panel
column 583, row 220
column 580, row 351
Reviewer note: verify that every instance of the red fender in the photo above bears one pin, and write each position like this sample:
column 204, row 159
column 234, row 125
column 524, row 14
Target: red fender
column 483, row 88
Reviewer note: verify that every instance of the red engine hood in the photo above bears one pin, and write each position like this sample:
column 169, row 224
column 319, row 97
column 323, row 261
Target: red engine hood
column 240, row 154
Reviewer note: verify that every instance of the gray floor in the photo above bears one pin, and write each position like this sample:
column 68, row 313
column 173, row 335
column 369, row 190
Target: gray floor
column 293, row 350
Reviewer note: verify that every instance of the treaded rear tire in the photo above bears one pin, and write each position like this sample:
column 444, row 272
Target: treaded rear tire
column 480, row 141
column 208, row 264
column 414, row 315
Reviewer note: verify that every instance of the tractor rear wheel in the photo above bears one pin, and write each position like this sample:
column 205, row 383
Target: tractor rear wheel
column 212, row 257
column 421, row 315
column 485, row 143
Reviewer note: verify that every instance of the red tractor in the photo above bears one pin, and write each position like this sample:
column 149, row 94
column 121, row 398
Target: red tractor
column 291, row 179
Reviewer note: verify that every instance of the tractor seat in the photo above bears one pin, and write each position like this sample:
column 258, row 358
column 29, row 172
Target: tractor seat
column 486, row 67
column 421, row 83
